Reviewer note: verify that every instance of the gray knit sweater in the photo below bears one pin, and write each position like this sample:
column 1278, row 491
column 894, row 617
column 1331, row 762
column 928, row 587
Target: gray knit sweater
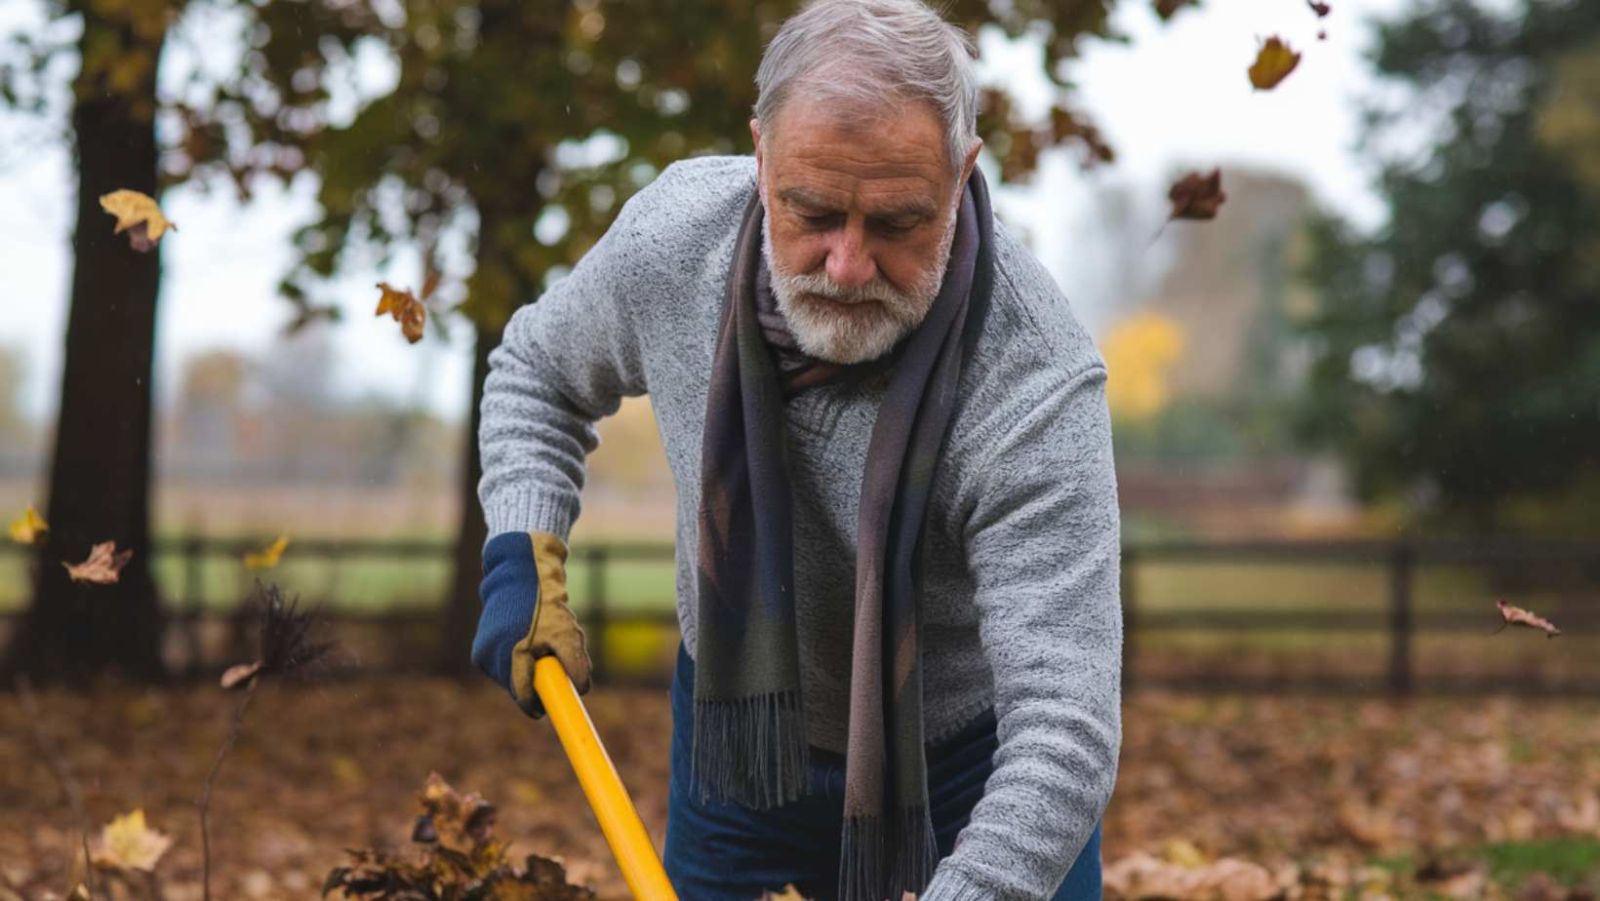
column 1021, row 609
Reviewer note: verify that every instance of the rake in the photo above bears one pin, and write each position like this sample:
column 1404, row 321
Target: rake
column 619, row 821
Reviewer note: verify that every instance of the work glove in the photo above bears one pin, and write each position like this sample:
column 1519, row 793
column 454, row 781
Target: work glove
column 525, row 615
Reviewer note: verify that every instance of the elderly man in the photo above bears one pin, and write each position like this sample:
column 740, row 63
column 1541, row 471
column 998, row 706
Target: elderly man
column 897, row 568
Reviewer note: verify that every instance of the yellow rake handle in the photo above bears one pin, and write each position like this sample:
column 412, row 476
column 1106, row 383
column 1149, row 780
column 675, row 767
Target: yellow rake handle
column 620, row 823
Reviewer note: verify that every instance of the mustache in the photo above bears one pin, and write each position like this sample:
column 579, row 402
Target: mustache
column 823, row 286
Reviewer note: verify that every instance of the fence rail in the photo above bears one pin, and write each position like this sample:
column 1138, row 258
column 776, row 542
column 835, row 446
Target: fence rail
column 1167, row 596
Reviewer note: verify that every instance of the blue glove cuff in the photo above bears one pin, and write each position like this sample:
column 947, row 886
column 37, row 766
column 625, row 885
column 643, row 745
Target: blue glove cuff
column 510, row 593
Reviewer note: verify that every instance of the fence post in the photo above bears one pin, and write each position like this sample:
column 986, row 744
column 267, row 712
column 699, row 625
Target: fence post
column 193, row 603
column 597, row 611
column 1401, row 566
column 1129, row 613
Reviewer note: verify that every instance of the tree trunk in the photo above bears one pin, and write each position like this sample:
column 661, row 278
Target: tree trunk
column 461, row 610
column 100, row 466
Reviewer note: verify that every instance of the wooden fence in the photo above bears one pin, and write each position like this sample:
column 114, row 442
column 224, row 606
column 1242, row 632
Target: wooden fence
column 1323, row 616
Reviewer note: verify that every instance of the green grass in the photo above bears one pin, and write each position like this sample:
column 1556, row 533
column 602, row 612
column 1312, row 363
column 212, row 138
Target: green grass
column 1569, row 861
column 1573, row 862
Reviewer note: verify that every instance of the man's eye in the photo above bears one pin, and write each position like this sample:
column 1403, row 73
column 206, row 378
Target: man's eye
column 821, row 221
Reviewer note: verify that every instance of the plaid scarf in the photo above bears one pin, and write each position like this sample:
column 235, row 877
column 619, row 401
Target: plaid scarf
column 749, row 726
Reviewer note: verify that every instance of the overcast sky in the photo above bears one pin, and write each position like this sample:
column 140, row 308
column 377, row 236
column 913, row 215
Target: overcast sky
column 1176, row 96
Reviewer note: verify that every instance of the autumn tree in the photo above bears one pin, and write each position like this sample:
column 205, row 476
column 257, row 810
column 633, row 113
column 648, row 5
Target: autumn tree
column 100, row 464
column 1456, row 349
column 525, row 127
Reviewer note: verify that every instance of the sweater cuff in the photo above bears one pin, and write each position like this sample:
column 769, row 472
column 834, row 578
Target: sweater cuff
column 950, row 884
column 531, row 510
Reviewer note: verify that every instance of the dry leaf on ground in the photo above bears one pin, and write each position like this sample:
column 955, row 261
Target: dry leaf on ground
column 126, row 843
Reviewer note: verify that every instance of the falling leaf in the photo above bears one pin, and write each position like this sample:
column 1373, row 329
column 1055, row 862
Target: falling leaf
column 1321, row 9
column 1274, row 61
column 1322, row 35
column 27, row 528
column 139, row 215
column 240, row 674
column 103, row 565
column 269, row 557
column 126, row 843
column 1516, row 616
column 405, row 308
column 1197, row 196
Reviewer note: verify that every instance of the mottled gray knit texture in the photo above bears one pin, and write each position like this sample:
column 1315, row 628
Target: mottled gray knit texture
column 1021, row 608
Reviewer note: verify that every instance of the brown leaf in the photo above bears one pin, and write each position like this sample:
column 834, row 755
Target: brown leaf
column 240, row 673
column 139, row 216
column 1144, row 876
column 1274, row 62
column 1197, row 196
column 1516, row 616
column 405, row 308
column 458, row 822
column 1321, row 9
column 103, row 565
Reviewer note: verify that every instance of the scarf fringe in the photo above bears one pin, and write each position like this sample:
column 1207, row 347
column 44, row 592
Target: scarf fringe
column 865, row 873
column 750, row 751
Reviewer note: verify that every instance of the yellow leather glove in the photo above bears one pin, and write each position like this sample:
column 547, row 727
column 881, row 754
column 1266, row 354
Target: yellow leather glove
column 526, row 616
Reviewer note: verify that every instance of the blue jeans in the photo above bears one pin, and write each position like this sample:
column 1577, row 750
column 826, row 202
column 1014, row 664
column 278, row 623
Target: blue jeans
column 724, row 852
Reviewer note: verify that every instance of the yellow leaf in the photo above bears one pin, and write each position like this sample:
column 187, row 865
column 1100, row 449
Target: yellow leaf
column 348, row 771
column 103, row 565
column 1274, row 61
column 525, row 792
column 1183, row 853
column 126, row 843
column 269, row 557
column 138, row 215
column 405, row 308
column 27, row 528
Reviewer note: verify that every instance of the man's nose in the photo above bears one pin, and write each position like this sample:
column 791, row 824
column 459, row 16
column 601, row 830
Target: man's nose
column 849, row 264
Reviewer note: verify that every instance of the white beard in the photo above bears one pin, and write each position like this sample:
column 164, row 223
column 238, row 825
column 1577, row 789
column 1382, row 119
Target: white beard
column 864, row 332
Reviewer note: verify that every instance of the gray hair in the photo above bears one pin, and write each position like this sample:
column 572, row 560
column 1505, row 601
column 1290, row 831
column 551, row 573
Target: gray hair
column 860, row 56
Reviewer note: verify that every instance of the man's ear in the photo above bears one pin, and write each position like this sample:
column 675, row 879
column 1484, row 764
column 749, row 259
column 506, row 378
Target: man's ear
column 972, row 160
column 755, row 137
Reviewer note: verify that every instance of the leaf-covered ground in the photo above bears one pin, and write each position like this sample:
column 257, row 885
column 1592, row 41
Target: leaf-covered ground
column 1472, row 798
